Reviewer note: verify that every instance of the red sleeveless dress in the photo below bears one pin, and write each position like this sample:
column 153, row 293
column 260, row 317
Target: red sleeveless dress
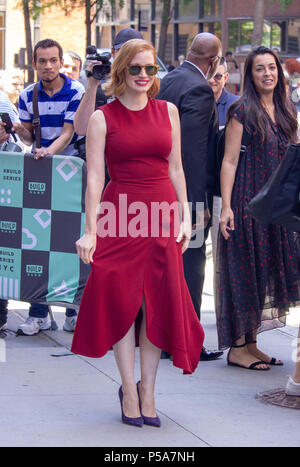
column 133, row 263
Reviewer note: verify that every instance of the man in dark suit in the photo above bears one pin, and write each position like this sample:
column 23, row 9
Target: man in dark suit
column 187, row 88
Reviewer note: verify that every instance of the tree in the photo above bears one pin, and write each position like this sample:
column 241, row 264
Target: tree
column 26, row 11
column 33, row 9
column 92, row 9
column 166, row 16
column 167, row 13
column 259, row 15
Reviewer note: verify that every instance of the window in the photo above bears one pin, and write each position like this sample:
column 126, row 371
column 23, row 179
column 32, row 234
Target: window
column 188, row 9
column 282, row 34
column 293, row 37
column 186, row 34
column 210, row 8
column 233, row 35
column 158, row 10
column 37, row 30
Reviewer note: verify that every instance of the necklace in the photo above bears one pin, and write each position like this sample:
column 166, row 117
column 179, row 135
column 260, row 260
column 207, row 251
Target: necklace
column 270, row 111
column 267, row 108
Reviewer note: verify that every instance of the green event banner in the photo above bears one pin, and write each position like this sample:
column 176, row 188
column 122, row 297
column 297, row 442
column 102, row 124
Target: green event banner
column 41, row 217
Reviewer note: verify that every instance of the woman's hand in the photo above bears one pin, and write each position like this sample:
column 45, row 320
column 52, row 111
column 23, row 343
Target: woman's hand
column 226, row 222
column 86, row 246
column 184, row 235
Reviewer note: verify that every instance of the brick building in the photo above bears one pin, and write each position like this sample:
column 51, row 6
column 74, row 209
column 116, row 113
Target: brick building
column 232, row 21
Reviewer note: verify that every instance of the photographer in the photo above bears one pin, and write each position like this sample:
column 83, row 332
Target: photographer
column 94, row 96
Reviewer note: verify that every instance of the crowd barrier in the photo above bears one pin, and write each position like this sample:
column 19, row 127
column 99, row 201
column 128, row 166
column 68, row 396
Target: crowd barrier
column 41, row 217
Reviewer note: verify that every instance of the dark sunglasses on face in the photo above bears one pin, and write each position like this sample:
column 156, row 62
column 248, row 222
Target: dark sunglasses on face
column 218, row 76
column 135, row 70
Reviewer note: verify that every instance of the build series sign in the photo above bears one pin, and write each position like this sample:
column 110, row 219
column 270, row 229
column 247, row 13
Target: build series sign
column 41, row 217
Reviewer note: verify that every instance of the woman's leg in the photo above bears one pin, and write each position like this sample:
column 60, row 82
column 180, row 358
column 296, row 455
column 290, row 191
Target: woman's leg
column 242, row 356
column 252, row 348
column 150, row 356
column 124, row 352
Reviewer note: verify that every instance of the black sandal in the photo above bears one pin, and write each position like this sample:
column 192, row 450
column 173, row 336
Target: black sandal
column 272, row 361
column 250, row 367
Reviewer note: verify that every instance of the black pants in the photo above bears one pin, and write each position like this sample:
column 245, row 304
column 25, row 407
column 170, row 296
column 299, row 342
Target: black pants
column 194, row 260
column 3, row 307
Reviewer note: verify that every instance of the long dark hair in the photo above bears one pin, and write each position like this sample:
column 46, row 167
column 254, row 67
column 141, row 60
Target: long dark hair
column 256, row 117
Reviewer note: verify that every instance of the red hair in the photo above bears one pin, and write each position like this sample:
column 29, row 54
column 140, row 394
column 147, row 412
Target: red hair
column 292, row 66
column 117, row 84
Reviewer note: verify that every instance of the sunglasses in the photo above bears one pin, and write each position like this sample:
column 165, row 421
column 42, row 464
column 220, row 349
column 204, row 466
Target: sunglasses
column 135, row 70
column 219, row 76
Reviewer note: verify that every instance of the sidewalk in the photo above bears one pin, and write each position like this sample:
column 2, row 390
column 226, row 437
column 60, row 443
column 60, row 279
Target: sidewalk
column 50, row 397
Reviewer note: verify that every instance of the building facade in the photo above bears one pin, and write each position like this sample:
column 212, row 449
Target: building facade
column 232, row 21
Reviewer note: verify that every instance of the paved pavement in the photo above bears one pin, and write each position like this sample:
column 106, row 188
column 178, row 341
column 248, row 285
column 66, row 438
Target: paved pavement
column 50, row 397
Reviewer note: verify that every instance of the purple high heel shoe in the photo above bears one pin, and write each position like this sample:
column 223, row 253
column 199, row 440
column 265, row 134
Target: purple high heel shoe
column 137, row 421
column 152, row 421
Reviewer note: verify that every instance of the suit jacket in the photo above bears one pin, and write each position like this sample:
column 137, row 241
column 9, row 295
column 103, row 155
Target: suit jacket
column 187, row 88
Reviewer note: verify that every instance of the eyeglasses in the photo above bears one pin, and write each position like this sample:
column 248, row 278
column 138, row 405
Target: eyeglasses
column 135, row 70
column 219, row 76
column 216, row 58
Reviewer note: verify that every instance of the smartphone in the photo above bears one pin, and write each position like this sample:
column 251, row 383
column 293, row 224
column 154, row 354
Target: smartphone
column 5, row 118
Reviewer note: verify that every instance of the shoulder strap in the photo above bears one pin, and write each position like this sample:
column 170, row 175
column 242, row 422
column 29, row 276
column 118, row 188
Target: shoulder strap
column 246, row 140
column 36, row 116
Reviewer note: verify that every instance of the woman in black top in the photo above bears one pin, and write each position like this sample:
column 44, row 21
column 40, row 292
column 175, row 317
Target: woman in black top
column 258, row 273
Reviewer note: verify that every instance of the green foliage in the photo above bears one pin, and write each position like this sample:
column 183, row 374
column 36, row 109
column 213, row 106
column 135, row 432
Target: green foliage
column 283, row 4
column 36, row 7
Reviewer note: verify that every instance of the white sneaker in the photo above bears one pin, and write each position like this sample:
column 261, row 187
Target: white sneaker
column 70, row 323
column 292, row 388
column 33, row 326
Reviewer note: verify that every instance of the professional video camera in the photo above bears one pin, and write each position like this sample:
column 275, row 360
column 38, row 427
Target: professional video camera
column 99, row 71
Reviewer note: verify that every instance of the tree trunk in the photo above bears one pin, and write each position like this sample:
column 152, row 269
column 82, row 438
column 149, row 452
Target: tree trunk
column 259, row 13
column 30, row 70
column 165, row 19
column 88, row 23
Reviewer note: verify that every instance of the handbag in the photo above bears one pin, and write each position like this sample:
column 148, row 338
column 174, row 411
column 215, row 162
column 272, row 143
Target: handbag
column 278, row 201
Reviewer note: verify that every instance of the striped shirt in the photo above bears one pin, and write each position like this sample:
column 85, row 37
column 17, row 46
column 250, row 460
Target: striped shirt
column 54, row 111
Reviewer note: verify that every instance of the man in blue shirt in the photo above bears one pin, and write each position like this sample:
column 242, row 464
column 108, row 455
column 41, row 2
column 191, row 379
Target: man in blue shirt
column 58, row 100
column 223, row 100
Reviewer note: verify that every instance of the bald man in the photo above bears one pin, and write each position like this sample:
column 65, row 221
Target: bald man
column 188, row 89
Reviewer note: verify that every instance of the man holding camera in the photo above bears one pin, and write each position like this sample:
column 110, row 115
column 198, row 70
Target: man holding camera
column 94, row 96
column 58, row 99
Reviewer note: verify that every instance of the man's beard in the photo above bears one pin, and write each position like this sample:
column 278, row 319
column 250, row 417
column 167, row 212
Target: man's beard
column 50, row 80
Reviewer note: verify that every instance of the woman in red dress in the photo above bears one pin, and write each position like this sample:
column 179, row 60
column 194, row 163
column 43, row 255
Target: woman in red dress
column 135, row 253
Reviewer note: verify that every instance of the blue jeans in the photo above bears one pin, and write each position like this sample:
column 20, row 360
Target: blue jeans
column 37, row 310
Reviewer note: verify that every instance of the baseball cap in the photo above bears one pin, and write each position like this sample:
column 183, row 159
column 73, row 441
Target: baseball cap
column 126, row 35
